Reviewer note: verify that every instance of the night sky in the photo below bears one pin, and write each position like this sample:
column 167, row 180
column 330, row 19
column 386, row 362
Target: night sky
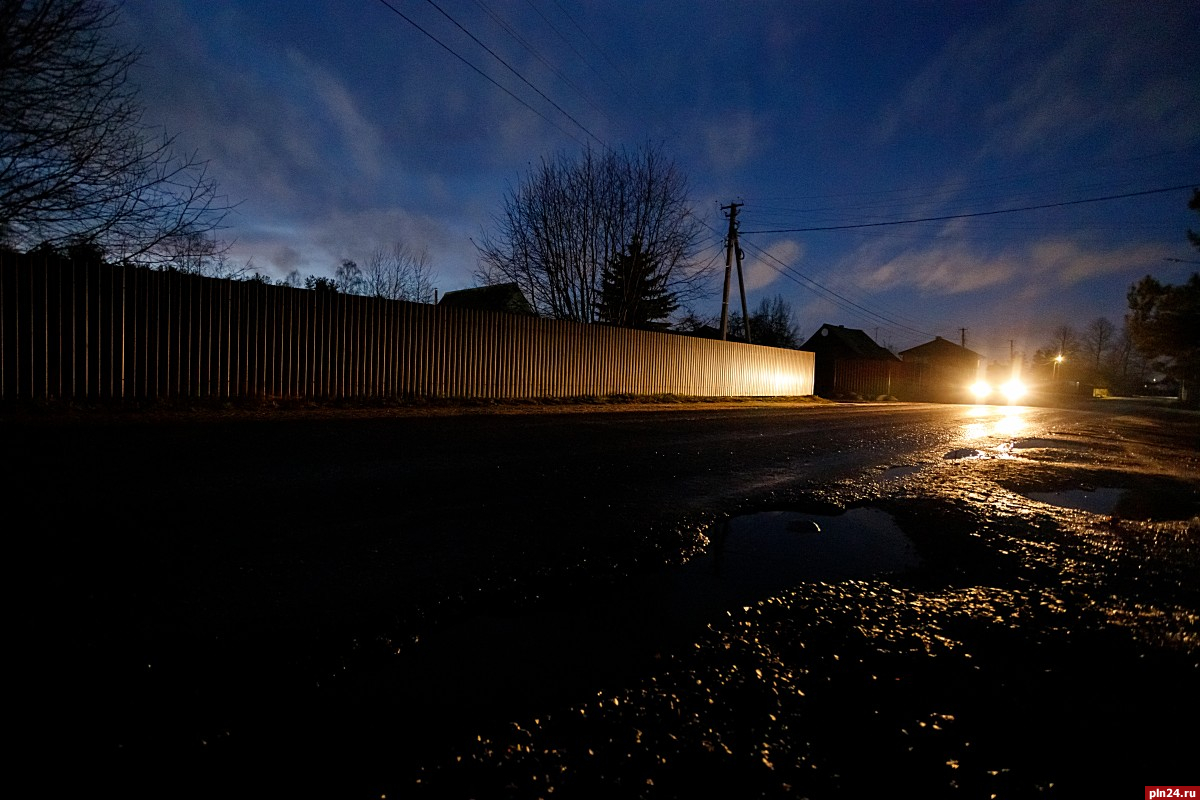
column 343, row 126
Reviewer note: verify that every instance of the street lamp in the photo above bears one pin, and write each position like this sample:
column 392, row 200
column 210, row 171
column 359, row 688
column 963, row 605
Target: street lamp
column 1058, row 359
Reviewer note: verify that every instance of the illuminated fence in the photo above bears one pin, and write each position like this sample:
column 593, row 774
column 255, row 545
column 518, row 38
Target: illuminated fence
column 69, row 331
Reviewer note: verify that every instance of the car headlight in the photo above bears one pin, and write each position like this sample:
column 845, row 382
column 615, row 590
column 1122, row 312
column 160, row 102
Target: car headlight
column 1013, row 390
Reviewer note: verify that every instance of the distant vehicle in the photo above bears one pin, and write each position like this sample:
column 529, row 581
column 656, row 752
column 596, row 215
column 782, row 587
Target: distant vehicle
column 1011, row 391
column 1164, row 387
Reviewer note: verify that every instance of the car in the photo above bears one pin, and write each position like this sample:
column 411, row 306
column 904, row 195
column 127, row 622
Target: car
column 1011, row 391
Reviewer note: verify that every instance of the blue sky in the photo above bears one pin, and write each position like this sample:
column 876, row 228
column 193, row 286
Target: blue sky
column 340, row 127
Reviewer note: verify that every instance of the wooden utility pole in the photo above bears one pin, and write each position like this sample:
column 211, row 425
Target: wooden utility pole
column 732, row 251
column 963, row 331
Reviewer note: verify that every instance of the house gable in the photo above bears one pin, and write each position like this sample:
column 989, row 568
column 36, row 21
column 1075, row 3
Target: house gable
column 849, row 343
column 941, row 352
column 505, row 297
column 849, row 363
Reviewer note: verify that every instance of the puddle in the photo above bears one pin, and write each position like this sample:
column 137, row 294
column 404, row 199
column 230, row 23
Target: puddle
column 1098, row 501
column 1030, row 444
column 602, row 634
column 755, row 555
column 964, row 453
column 892, row 473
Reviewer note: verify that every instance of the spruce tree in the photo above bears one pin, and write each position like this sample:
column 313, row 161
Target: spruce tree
column 633, row 293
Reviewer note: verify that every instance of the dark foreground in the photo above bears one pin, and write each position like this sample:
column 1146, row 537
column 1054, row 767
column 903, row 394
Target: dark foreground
column 343, row 607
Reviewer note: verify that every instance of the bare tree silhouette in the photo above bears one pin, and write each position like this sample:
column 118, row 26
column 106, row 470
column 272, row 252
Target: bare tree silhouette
column 77, row 163
column 571, row 218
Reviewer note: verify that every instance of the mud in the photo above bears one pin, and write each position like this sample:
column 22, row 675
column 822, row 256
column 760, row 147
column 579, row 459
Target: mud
column 1032, row 650
column 1036, row 650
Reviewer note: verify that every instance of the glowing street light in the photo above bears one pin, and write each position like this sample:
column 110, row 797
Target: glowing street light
column 1058, row 360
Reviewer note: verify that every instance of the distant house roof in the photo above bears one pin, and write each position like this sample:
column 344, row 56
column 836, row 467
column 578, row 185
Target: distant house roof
column 712, row 332
column 847, row 343
column 506, row 297
column 941, row 350
column 703, row 332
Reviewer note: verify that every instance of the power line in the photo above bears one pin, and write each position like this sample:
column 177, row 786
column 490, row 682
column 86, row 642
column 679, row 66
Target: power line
column 534, row 52
column 592, row 42
column 842, row 302
column 1090, row 167
column 514, row 71
column 568, row 42
column 483, row 74
column 975, row 214
column 718, row 251
column 894, row 199
column 799, row 278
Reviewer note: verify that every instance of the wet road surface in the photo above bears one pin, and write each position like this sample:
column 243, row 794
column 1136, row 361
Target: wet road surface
column 481, row 605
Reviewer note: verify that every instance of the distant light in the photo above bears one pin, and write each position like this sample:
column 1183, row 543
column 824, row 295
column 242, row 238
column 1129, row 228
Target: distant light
column 1013, row 390
column 981, row 389
column 1059, row 358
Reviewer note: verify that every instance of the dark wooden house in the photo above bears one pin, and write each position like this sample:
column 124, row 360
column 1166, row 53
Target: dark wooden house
column 849, row 364
column 939, row 371
column 505, row 297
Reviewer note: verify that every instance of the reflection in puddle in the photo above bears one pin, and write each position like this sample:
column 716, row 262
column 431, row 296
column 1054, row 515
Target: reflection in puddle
column 1011, row 422
column 589, row 638
column 897, row 472
column 1030, row 444
column 1097, row 501
column 756, row 555
column 976, row 430
column 964, row 452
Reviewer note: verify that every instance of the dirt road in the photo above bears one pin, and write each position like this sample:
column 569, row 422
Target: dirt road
column 253, row 597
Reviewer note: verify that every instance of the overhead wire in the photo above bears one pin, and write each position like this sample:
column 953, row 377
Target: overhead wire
column 481, row 73
column 521, row 77
column 805, row 281
column 617, row 69
column 568, row 42
column 841, row 301
column 876, row 224
column 853, row 307
column 718, row 252
column 944, row 217
column 542, row 59
column 984, row 207
column 1090, row 168
column 822, row 291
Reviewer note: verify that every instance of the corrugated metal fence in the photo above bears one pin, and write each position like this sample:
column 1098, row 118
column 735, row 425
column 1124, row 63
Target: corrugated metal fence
column 71, row 331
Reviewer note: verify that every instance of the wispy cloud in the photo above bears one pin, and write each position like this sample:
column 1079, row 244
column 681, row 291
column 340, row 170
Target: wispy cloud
column 1064, row 262
column 342, row 132
column 1054, row 71
column 951, row 269
column 734, row 140
column 355, row 134
column 1035, row 269
column 763, row 269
